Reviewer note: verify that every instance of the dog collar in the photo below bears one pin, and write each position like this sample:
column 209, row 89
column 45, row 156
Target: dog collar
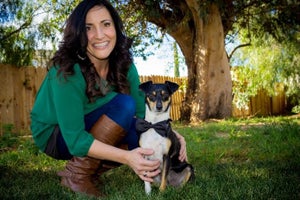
column 162, row 128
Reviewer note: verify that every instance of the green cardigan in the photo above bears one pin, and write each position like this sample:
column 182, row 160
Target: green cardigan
column 64, row 102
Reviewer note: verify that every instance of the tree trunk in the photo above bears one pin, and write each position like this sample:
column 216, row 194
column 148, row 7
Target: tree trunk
column 198, row 30
column 209, row 92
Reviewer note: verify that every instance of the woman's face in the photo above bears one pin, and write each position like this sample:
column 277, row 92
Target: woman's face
column 101, row 34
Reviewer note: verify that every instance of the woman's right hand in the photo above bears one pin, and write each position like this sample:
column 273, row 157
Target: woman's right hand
column 145, row 169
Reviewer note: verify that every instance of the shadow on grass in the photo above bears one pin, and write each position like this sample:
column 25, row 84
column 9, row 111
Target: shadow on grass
column 30, row 184
column 252, row 180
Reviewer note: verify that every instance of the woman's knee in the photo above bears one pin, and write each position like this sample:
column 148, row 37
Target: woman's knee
column 126, row 105
column 122, row 110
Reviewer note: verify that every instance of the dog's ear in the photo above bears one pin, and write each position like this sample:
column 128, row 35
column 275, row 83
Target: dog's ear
column 172, row 86
column 146, row 86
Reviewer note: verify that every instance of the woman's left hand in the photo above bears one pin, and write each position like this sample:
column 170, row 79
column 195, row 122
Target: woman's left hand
column 182, row 153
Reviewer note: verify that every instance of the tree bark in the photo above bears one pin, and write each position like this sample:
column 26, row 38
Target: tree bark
column 209, row 92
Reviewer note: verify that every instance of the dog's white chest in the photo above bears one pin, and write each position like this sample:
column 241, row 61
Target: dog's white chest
column 151, row 139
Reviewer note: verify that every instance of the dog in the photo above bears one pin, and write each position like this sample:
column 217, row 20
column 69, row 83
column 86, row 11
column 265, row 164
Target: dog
column 157, row 134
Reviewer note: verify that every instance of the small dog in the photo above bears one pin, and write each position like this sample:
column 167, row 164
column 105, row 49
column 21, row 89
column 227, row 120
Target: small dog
column 156, row 133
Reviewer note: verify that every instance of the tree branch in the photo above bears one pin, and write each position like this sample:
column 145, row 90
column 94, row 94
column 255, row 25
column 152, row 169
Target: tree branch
column 192, row 4
column 171, row 13
column 236, row 48
column 23, row 26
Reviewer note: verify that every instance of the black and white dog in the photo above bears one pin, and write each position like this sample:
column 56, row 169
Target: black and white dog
column 157, row 134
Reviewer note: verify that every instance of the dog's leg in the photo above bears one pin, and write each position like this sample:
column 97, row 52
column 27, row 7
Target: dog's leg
column 178, row 179
column 165, row 165
column 164, row 175
column 147, row 187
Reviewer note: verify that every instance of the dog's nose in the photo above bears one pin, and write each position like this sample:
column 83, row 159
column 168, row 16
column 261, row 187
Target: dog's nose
column 159, row 106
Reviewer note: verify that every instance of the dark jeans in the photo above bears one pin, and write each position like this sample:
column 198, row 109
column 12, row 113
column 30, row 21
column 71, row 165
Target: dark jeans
column 120, row 109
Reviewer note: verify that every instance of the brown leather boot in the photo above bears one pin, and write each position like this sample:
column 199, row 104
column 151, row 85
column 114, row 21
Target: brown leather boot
column 79, row 172
column 108, row 131
column 77, row 175
column 107, row 165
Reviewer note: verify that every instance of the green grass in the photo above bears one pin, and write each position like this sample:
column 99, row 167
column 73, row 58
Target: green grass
column 255, row 158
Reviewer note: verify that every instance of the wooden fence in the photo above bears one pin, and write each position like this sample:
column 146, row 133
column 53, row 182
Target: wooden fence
column 264, row 105
column 18, row 88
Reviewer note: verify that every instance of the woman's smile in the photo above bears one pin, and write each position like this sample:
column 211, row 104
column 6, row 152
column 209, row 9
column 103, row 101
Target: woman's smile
column 101, row 34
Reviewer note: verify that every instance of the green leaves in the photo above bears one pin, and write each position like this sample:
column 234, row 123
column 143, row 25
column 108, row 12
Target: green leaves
column 30, row 26
column 264, row 65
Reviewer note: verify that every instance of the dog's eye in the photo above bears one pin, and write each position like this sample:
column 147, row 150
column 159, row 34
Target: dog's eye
column 165, row 97
column 151, row 97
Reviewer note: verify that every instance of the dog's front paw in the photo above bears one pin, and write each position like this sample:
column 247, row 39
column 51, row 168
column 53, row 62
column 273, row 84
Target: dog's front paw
column 147, row 187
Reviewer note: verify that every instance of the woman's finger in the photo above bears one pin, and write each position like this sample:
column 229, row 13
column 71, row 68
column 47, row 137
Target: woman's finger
column 144, row 151
column 148, row 175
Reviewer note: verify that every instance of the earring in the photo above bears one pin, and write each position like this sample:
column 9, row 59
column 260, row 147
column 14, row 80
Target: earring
column 80, row 57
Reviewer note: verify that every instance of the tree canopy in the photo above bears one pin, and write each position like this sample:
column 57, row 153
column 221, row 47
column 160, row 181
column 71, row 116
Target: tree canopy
column 200, row 28
column 26, row 26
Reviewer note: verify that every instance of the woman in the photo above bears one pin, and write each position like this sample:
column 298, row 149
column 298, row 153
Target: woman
column 86, row 107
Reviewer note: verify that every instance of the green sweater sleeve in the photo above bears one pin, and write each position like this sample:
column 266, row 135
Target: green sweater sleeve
column 69, row 100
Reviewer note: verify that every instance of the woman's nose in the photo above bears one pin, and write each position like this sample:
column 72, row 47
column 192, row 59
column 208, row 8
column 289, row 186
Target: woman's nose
column 99, row 33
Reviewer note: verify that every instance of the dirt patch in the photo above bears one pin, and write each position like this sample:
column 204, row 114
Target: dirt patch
column 222, row 135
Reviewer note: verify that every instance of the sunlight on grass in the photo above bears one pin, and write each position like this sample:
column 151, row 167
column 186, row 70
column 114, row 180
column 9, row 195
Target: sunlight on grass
column 255, row 158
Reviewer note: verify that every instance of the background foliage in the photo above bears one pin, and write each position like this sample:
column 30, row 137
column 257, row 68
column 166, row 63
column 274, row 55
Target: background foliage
column 266, row 64
column 267, row 30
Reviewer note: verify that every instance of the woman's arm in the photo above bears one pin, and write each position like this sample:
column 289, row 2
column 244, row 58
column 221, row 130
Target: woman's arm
column 182, row 153
column 134, row 159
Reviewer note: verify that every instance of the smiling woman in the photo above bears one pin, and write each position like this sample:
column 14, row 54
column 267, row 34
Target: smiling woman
column 86, row 108
column 76, row 115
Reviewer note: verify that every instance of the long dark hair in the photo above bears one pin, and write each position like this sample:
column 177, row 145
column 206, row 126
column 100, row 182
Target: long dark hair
column 72, row 50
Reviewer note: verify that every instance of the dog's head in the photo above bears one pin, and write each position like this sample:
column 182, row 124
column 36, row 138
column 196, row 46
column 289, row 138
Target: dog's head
column 158, row 96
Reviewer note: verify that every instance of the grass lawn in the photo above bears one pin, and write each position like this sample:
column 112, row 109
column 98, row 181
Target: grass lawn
column 257, row 158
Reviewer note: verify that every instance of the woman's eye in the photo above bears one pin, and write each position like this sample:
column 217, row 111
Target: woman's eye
column 88, row 28
column 107, row 24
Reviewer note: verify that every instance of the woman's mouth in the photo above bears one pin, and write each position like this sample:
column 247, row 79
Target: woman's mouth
column 101, row 45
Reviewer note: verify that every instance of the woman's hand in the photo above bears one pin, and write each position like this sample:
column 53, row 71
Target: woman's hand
column 182, row 153
column 145, row 169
